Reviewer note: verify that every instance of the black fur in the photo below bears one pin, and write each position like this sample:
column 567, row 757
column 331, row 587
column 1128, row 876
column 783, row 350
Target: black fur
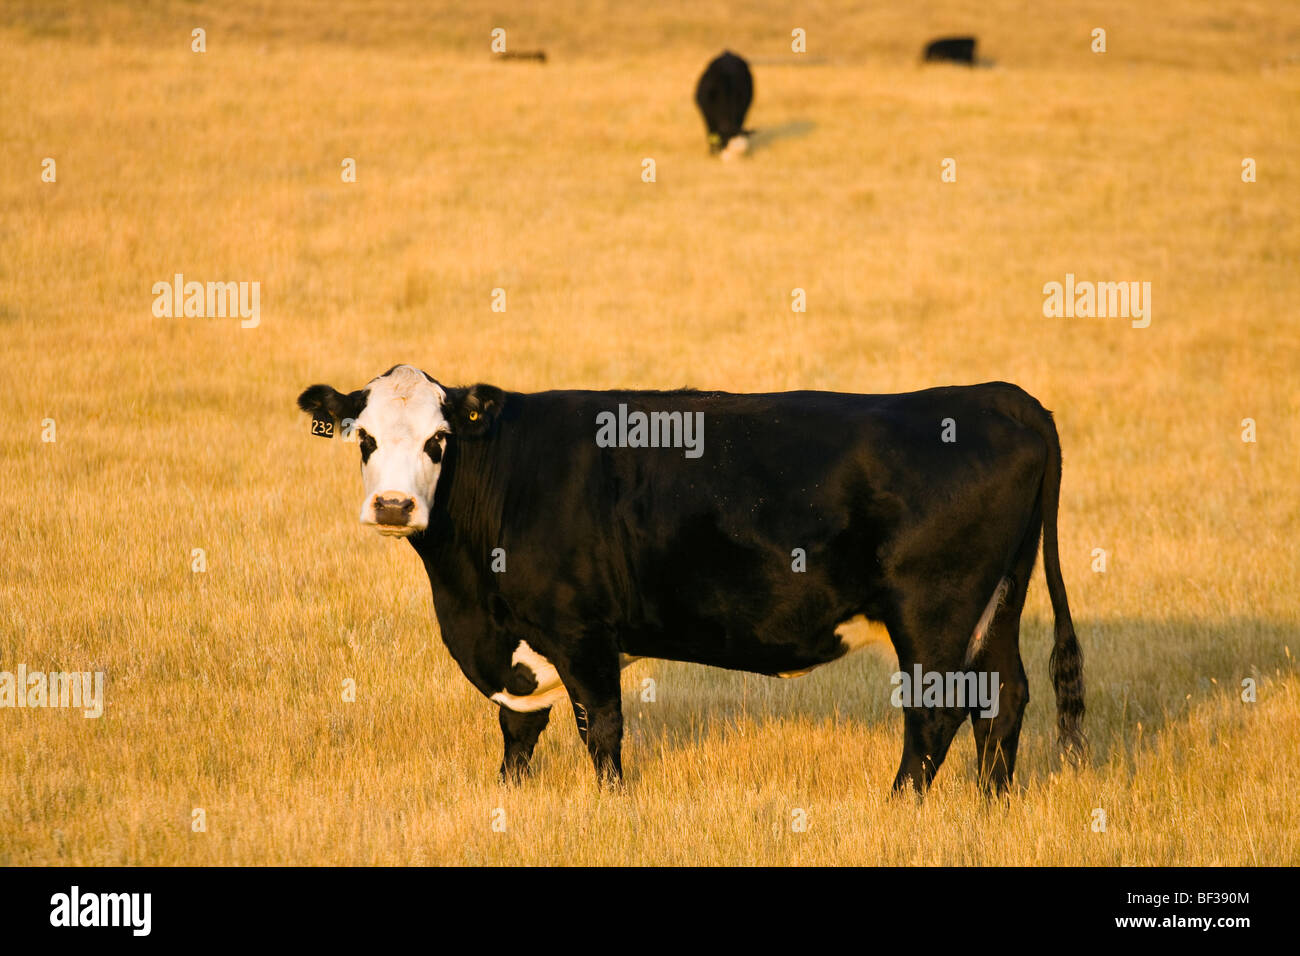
column 951, row 50
column 724, row 94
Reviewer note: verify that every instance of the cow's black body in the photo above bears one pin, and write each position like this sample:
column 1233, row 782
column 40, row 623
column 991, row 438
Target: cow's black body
column 951, row 50
column 643, row 551
column 723, row 95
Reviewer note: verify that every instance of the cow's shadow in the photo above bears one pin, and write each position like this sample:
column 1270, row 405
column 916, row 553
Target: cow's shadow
column 1143, row 677
column 765, row 136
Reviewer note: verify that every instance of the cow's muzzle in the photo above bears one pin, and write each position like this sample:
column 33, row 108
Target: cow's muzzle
column 392, row 513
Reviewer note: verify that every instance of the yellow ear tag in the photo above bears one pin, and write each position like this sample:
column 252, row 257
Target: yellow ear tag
column 473, row 416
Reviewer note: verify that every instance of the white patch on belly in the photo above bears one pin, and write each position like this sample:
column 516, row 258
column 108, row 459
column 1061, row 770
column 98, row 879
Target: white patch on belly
column 858, row 631
column 789, row 674
column 549, row 688
column 854, row 634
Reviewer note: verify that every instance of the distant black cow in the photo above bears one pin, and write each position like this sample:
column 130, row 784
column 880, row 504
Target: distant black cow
column 723, row 95
column 538, row 55
column 951, row 50
column 566, row 531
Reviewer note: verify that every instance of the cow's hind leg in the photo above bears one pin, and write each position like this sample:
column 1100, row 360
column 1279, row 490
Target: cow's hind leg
column 997, row 737
column 520, row 731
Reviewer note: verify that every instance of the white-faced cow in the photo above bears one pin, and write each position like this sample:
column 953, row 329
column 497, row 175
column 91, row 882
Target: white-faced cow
column 723, row 95
column 562, row 530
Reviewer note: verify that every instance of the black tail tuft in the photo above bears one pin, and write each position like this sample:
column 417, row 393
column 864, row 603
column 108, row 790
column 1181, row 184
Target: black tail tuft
column 1066, row 665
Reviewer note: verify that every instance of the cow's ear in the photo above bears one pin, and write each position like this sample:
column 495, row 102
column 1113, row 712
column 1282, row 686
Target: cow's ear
column 474, row 409
column 325, row 399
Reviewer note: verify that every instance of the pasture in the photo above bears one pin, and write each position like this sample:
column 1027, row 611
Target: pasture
column 224, row 687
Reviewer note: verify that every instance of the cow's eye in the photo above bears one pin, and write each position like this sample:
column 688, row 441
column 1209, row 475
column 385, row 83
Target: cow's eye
column 433, row 447
column 367, row 444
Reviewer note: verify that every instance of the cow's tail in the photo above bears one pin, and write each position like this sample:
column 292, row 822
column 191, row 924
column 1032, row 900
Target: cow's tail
column 1066, row 665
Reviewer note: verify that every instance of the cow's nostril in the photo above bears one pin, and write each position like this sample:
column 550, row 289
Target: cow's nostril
column 393, row 510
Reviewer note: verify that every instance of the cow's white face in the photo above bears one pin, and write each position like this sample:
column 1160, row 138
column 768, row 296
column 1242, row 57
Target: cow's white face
column 402, row 433
column 402, row 421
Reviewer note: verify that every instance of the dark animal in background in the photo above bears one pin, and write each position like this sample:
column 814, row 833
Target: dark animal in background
column 679, row 544
column 538, row 55
column 951, row 50
column 723, row 95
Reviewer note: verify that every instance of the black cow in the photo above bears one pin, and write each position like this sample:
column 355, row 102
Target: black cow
column 723, row 95
column 561, row 530
column 951, row 50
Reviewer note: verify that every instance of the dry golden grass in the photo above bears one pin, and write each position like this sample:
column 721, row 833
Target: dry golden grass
column 224, row 687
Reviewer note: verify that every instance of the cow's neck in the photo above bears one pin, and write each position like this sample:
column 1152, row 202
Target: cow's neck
column 464, row 523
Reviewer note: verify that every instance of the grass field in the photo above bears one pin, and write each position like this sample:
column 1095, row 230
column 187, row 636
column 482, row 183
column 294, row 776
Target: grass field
column 224, row 687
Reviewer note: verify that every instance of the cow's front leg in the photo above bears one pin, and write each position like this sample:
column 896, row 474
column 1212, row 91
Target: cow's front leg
column 520, row 731
column 598, row 709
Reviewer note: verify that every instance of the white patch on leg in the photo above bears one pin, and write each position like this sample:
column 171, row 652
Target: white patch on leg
column 986, row 620
column 549, row 690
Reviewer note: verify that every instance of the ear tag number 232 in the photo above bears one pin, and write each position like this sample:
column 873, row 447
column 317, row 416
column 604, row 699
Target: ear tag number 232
column 322, row 425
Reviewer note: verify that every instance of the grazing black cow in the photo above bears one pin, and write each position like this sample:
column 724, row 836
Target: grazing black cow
column 723, row 95
column 951, row 50
column 538, row 55
column 561, row 530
